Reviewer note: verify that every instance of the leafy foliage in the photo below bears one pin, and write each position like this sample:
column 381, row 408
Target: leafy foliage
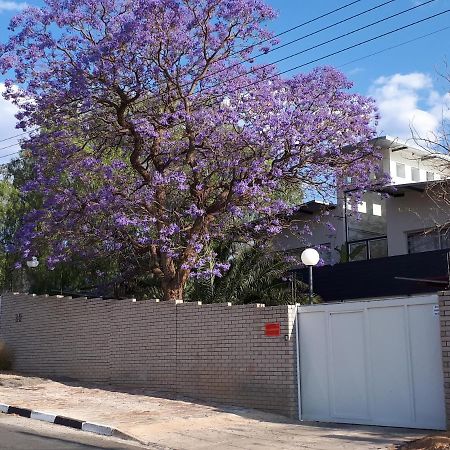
column 255, row 276
column 155, row 140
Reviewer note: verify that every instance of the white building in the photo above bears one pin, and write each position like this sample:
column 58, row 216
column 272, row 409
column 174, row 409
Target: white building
column 399, row 219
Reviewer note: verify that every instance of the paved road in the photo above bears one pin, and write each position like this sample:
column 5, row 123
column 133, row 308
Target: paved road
column 17, row 433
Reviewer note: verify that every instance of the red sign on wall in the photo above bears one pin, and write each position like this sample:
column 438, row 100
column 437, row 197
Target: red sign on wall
column 272, row 329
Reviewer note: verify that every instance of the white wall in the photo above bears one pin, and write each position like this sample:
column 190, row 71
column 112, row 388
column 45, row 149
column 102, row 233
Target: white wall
column 321, row 233
column 413, row 212
column 413, row 159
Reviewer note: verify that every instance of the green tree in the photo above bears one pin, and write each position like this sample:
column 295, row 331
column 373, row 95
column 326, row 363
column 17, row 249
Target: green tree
column 255, row 276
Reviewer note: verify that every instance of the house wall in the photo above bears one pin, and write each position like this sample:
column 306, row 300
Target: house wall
column 411, row 159
column 213, row 352
column 412, row 212
column 414, row 158
column 325, row 230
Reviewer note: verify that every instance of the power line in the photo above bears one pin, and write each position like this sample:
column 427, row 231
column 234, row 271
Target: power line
column 266, row 40
column 12, row 137
column 222, row 95
column 370, row 40
column 320, row 44
column 9, row 146
column 393, row 46
column 340, row 22
column 251, row 58
column 10, row 154
column 296, row 27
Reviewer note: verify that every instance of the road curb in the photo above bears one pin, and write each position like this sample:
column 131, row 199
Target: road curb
column 90, row 427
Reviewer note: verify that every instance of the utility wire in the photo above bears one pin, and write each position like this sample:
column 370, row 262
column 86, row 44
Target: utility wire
column 269, row 39
column 9, row 146
column 367, row 41
column 222, row 95
column 252, row 58
column 318, row 45
column 10, row 154
column 13, row 137
column 393, row 46
column 296, row 27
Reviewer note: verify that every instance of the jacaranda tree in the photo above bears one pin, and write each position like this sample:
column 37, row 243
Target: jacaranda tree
column 155, row 134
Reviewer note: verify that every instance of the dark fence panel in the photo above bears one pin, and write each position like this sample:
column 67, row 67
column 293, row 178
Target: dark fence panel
column 395, row 275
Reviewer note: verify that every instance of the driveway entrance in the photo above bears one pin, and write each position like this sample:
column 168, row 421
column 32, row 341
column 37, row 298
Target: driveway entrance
column 372, row 362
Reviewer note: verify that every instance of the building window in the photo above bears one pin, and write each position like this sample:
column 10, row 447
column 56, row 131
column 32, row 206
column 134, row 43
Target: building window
column 428, row 240
column 401, row 170
column 370, row 225
column 362, row 207
column 357, row 251
column 367, row 249
column 415, row 174
column 430, row 176
column 378, row 248
column 376, row 209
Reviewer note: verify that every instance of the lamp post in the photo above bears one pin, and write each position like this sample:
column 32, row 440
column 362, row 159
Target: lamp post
column 310, row 257
column 32, row 264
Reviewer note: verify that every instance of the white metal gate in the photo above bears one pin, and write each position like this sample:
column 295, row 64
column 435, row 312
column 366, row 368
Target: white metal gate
column 372, row 362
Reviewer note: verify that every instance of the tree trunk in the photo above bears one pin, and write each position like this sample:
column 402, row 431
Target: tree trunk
column 173, row 293
column 173, row 289
column 174, row 279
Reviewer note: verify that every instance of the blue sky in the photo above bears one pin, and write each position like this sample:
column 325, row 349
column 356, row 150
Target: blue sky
column 404, row 80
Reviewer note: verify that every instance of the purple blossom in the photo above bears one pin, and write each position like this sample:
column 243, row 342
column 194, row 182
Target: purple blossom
column 133, row 158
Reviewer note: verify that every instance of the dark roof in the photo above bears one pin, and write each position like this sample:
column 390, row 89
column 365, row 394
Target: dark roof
column 313, row 207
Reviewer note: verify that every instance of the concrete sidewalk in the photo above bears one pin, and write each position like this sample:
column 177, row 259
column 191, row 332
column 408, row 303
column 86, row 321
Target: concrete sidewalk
column 179, row 423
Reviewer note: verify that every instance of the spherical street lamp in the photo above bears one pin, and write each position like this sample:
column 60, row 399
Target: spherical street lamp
column 33, row 263
column 310, row 257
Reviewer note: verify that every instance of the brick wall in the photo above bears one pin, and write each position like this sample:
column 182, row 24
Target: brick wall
column 444, row 313
column 212, row 352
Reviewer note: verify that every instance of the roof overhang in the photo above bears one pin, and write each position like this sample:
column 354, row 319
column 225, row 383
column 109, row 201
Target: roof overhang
column 313, row 207
column 399, row 190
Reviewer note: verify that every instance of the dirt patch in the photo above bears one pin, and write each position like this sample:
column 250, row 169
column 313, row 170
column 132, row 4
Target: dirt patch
column 16, row 381
column 436, row 442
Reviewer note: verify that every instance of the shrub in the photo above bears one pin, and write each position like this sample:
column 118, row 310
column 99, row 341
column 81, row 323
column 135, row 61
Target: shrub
column 6, row 357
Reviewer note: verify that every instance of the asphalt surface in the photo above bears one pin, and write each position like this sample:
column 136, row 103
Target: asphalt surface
column 17, row 433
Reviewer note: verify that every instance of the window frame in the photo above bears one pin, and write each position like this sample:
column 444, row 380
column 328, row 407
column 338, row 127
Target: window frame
column 415, row 170
column 430, row 231
column 366, row 244
column 401, row 166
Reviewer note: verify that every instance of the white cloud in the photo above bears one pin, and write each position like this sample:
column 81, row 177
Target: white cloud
column 409, row 101
column 12, row 6
column 7, row 126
